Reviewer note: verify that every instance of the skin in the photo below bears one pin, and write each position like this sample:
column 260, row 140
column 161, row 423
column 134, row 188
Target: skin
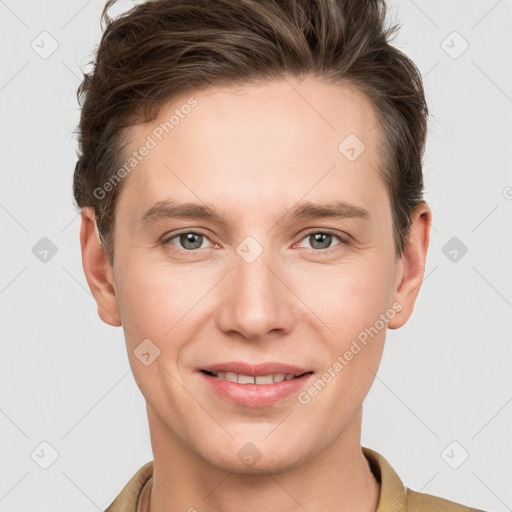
column 252, row 152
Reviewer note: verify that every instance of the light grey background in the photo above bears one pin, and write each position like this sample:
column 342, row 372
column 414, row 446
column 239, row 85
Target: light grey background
column 445, row 376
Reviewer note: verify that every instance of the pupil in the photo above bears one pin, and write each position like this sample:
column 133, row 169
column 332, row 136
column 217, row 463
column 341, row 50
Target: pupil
column 188, row 238
column 318, row 238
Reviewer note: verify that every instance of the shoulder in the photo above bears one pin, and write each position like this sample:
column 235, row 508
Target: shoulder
column 395, row 496
column 421, row 502
column 128, row 499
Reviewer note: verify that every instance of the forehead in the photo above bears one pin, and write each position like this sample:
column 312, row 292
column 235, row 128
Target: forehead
column 271, row 141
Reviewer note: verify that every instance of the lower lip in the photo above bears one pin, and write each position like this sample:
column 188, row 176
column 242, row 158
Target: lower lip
column 256, row 395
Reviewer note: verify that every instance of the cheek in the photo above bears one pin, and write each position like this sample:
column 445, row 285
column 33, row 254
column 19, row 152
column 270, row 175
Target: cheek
column 155, row 298
column 349, row 297
column 156, row 304
column 349, row 302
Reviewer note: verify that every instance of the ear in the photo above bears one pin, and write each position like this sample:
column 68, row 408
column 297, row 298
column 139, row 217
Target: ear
column 411, row 267
column 98, row 271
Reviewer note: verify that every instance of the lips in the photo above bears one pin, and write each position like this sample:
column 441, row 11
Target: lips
column 254, row 385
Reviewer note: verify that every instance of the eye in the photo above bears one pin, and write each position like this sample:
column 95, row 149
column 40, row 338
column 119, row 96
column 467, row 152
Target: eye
column 191, row 241
column 322, row 240
column 187, row 240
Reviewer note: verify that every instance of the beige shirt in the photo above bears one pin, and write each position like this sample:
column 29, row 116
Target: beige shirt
column 394, row 495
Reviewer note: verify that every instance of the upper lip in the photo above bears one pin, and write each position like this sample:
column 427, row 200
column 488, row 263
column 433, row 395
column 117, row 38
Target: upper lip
column 255, row 370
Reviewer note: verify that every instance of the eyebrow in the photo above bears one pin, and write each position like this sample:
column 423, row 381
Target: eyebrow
column 173, row 209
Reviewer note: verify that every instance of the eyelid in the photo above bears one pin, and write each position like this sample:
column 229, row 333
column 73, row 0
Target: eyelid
column 327, row 231
column 344, row 238
column 166, row 239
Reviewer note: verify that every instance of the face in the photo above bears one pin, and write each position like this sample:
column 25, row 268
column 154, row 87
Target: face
column 287, row 257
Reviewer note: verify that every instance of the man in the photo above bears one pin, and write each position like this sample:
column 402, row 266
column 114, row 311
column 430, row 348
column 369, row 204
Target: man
column 251, row 186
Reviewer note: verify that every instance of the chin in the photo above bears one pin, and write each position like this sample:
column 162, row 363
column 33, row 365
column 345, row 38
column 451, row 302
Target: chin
column 255, row 458
column 263, row 466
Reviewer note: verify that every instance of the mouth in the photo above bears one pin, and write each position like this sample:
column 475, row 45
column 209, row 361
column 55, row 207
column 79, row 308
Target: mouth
column 240, row 378
column 255, row 385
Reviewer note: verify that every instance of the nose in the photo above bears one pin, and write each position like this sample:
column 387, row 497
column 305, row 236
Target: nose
column 256, row 300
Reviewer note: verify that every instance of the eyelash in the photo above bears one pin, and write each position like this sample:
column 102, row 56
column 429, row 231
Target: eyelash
column 343, row 240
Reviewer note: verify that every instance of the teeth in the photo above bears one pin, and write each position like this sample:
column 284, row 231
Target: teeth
column 245, row 379
column 260, row 379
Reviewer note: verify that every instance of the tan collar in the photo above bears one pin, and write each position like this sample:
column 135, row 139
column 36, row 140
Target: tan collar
column 392, row 491
column 143, row 503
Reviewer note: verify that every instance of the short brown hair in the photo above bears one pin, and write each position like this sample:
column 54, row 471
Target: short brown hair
column 163, row 48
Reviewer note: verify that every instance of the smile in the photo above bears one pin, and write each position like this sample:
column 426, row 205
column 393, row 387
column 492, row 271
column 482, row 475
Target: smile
column 254, row 391
column 248, row 379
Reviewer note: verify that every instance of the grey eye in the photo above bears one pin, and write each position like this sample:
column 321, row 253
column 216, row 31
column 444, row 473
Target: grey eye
column 320, row 240
column 191, row 240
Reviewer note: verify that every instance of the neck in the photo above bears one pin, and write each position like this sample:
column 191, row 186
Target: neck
column 338, row 478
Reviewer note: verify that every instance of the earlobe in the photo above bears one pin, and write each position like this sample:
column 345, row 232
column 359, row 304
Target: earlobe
column 412, row 264
column 97, row 269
